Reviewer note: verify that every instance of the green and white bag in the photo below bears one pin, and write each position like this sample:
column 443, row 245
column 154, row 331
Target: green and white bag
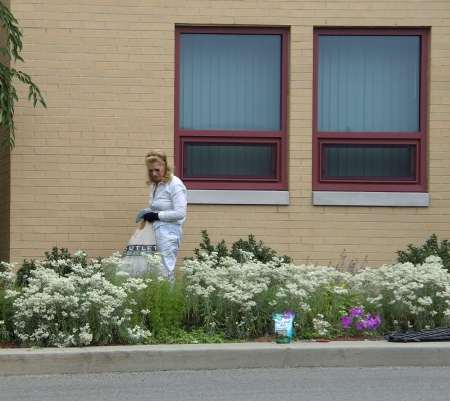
column 284, row 327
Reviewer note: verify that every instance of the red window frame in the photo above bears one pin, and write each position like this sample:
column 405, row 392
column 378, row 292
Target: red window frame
column 413, row 139
column 277, row 138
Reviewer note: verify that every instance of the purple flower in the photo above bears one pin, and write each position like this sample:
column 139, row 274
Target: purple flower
column 288, row 315
column 356, row 312
column 367, row 322
column 371, row 323
column 346, row 322
column 377, row 321
column 360, row 325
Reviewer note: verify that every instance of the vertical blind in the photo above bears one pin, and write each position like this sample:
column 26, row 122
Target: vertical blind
column 368, row 83
column 230, row 82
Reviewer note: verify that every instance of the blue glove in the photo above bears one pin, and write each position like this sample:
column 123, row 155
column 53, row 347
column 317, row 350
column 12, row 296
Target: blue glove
column 141, row 214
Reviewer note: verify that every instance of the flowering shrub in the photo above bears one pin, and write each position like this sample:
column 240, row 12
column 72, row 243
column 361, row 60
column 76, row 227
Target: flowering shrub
column 60, row 260
column 407, row 296
column 77, row 309
column 239, row 298
column 216, row 298
column 361, row 321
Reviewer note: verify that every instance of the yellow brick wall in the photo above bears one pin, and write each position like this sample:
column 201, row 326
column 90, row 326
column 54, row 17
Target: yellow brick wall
column 106, row 69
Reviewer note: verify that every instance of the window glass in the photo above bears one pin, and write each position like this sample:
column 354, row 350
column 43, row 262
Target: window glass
column 382, row 162
column 230, row 82
column 231, row 107
column 369, row 83
column 370, row 109
column 231, row 160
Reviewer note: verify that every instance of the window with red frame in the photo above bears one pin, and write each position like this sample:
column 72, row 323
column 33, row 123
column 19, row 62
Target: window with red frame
column 369, row 118
column 230, row 107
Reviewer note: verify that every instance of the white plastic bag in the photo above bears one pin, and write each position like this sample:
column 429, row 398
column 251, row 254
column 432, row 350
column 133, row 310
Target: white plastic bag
column 142, row 241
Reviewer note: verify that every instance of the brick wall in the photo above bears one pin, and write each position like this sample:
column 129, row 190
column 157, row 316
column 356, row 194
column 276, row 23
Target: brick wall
column 106, row 69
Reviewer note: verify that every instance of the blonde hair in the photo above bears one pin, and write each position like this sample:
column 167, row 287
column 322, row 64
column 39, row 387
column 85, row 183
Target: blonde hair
column 159, row 156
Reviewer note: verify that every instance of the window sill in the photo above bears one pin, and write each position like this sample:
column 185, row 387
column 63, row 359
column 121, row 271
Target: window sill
column 405, row 199
column 230, row 197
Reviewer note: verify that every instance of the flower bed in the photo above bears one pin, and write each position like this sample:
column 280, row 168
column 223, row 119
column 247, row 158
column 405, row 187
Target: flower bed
column 215, row 300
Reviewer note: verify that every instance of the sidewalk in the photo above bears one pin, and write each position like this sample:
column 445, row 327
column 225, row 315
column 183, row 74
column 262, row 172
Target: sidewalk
column 139, row 358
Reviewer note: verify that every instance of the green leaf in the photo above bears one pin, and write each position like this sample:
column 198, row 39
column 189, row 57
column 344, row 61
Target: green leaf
column 8, row 93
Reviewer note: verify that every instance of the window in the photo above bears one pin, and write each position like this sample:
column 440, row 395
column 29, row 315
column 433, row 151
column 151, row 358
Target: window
column 230, row 107
column 369, row 119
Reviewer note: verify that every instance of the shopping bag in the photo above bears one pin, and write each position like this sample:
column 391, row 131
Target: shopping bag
column 143, row 241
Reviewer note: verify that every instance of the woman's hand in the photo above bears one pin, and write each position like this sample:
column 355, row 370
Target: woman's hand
column 151, row 217
column 141, row 215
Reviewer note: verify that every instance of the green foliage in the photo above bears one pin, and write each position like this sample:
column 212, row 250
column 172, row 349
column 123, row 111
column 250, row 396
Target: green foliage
column 160, row 307
column 260, row 252
column 77, row 302
column 332, row 301
column 6, row 302
column 176, row 335
column 417, row 255
column 60, row 260
column 24, row 272
column 8, row 93
column 220, row 249
column 6, row 317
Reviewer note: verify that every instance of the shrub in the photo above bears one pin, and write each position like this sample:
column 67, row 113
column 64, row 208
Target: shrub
column 406, row 296
column 213, row 299
column 238, row 299
column 60, row 260
column 259, row 251
column 81, row 307
column 418, row 255
column 7, row 281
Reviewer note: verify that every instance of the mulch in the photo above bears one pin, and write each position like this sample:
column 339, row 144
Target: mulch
column 257, row 340
column 9, row 345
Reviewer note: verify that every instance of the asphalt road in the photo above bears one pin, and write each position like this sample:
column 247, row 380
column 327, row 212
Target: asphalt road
column 311, row 384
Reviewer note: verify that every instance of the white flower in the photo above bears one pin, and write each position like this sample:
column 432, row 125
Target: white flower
column 320, row 325
column 425, row 301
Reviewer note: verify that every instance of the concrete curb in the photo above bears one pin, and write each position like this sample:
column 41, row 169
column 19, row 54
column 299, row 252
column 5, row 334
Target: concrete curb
column 142, row 358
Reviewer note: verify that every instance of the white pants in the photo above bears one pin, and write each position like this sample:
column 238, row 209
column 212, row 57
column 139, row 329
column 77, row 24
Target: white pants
column 168, row 239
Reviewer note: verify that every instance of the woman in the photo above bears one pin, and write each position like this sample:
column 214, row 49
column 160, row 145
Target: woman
column 167, row 209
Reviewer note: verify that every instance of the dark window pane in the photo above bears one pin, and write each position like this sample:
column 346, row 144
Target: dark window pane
column 369, row 83
column 230, row 82
column 371, row 162
column 227, row 160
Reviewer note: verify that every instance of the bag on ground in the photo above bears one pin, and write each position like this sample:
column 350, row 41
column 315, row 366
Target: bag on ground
column 284, row 325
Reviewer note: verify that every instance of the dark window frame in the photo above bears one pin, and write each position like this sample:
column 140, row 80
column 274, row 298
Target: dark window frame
column 277, row 138
column 419, row 139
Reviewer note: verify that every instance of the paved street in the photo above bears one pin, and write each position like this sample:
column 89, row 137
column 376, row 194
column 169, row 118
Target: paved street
column 312, row 384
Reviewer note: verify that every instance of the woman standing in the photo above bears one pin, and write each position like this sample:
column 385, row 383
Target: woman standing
column 167, row 208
